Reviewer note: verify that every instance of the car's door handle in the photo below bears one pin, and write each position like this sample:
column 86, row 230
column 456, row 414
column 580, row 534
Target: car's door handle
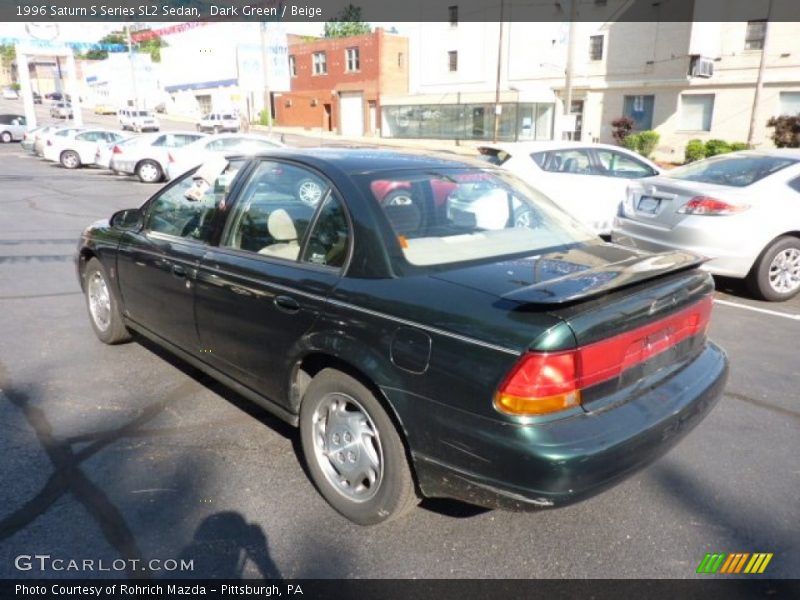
column 179, row 271
column 286, row 304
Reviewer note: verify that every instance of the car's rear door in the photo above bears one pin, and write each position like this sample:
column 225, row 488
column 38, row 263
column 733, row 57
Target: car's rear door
column 262, row 288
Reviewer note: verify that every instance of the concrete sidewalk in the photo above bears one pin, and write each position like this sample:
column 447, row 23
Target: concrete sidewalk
column 326, row 138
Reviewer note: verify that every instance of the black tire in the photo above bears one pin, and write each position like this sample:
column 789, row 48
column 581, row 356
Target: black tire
column 149, row 171
column 758, row 280
column 70, row 159
column 114, row 330
column 5, row 137
column 393, row 493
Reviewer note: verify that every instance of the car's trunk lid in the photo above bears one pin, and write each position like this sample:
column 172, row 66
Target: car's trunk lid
column 656, row 201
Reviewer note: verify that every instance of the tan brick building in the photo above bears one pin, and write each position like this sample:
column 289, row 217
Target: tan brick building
column 337, row 84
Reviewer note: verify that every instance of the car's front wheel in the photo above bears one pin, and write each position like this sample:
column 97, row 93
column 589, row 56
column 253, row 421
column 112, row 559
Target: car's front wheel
column 104, row 310
column 69, row 159
column 353, row 450
column 776, row 275
column 149, row 171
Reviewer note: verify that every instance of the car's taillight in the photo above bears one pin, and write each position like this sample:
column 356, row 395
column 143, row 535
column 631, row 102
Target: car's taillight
column 547, row 382
column 703, row 205
column 116, row 150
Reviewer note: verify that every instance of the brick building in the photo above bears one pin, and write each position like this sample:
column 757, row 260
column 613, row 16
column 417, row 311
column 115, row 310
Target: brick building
column 337, row 84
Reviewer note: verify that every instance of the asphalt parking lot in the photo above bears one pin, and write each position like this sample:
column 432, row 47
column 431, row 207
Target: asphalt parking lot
column 125, row 452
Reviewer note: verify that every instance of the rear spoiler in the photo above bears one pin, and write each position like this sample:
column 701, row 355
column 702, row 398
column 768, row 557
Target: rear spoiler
column 595, row 281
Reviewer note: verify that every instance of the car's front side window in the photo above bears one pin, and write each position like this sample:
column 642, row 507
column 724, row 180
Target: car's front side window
column 187, row 208
column 272, row 214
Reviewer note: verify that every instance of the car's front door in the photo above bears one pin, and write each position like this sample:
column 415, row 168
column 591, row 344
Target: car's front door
column 156, row 266
column 261, row 289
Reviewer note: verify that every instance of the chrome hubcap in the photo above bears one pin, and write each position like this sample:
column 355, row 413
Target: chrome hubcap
column 70, row 160
column 399, row 200
column 148, row 172
column 526, row 219
column 784, row 271
column 309, row 192
column 99, row 301
column 347, row 447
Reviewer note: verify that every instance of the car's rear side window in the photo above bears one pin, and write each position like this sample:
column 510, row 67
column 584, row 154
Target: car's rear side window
column 270, row 217
column 734, row 171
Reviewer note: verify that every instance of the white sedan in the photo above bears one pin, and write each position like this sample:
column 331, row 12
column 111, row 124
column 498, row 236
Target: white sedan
column 78, row 147
column 146, row 155
column 182, row 159
column 588, row 181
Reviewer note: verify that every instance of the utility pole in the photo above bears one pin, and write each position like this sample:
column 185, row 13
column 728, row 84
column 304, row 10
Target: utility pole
column 497, row 107
column 573, row 16
column 762, row 67
column 133, row 68
column 265, row 64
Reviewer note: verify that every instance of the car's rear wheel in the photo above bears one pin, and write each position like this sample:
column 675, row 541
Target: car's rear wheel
column 5, row 137
column 104, row 311
column 69, row 159
column 353, row 450
column 149, row 171
column 776, row 275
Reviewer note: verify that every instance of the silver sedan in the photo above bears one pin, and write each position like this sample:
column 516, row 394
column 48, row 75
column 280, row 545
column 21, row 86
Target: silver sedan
column 740, row 210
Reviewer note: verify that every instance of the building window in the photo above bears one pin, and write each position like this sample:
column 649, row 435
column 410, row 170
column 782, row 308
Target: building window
column 754, row 38
column 696, row 112
column 352, row 60
column 401, row 59
column 320, row 63
column 452, row 60
column 453, row 12
column 292, row 66
column 790, row 103
column 640, row 109
column 596, row 47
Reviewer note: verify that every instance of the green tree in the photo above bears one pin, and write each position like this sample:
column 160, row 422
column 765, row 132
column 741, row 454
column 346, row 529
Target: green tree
column 347, row 23
column 152, row 46
column 8, row 52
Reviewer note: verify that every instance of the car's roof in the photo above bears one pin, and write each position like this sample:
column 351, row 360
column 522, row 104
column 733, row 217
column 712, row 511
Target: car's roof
column 528, row 147
column 367, row 160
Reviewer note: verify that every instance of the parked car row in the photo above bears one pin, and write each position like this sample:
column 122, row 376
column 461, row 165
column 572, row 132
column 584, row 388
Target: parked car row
column 739, row 211
column 152, row 157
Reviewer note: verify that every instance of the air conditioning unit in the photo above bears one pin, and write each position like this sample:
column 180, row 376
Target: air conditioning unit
column 314, row 102
column 700, row 66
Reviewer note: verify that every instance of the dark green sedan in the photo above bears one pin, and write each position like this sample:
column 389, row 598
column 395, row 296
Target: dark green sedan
column 424, row 342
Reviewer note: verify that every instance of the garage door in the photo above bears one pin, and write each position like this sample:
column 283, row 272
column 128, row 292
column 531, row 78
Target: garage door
column 352, row 113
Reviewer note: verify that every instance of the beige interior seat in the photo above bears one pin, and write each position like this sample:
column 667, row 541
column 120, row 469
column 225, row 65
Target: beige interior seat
column 282, row 230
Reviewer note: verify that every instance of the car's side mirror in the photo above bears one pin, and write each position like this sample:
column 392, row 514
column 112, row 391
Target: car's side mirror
column 130, row 219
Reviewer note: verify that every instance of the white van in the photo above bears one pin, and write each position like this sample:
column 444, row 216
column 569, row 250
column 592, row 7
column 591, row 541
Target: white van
column 137, row 120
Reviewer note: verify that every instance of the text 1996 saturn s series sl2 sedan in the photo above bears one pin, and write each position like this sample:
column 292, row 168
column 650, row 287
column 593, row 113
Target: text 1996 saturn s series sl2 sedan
column 424, row 345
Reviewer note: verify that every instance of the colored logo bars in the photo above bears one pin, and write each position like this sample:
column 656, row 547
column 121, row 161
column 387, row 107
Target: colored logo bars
column 734, row 563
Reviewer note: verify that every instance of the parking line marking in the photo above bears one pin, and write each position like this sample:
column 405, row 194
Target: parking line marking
column 766, row 311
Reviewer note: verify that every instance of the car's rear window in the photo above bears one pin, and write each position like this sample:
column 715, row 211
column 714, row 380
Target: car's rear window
column 735, row 171
column 228, row 116
column 460, row 215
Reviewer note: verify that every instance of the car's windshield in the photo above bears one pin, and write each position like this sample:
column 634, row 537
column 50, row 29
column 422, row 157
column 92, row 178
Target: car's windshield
column 459, row 215
column 735, row 171
column 142, row 113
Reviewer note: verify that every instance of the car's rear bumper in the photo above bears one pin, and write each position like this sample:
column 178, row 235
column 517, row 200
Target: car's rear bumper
column 503, row 465
column 730, row 250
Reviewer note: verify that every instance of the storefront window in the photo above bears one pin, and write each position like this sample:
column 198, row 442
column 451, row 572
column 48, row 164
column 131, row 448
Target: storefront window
column 523, row 121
